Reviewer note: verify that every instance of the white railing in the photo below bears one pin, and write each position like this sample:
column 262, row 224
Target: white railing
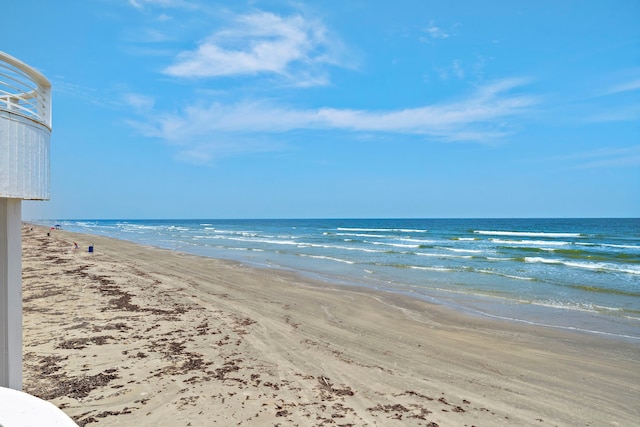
column 24, row 90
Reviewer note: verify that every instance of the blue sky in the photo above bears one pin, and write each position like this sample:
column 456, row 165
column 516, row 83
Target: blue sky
column 294, row 109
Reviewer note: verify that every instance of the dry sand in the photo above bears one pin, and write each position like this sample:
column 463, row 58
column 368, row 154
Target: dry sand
column 138, row 336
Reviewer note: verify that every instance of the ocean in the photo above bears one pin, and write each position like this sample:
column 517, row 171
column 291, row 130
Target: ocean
column 577, row 274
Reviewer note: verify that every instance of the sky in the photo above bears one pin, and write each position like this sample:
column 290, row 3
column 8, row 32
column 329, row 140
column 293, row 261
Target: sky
column 336, row 109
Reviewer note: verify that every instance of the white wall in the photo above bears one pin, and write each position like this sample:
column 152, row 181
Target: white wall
column 24, row 157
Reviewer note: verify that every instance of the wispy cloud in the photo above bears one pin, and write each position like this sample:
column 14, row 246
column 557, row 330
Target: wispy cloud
column 627, row 113
column 263, row 43
column 455, row 70
column 148, row 35
column 85, row 94
column 627, row 86
column 481, row 117
column 609, row 157
column 617, row 102
column 140, row 103
column 142, row 4
column 435, row 32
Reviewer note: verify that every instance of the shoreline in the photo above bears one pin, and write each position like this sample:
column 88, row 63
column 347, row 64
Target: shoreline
column 174, row 337
column 613, row 324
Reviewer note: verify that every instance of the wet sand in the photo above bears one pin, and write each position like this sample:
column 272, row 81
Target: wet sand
column 134, row 335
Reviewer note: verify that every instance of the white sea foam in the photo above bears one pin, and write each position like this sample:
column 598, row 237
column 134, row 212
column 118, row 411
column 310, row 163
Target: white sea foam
column 526, row 233
column 267, row 241
column 439, row 269
column 127, row 226
column 363, row 229
column 608, row 245
column 339, row 247
column 577, row 306
column 596, row 266
column 401, row 230
column 569, row 328
column 431, row 254
column 395, row 245
column 530, row 242
column 509, row 276
column 471, row 251
column 381, row 236
column 225, row 233
column 422, row 241
column 85, row 224
column 351, row 248
column 543, row 260
column 327, row 258
column 605, row 308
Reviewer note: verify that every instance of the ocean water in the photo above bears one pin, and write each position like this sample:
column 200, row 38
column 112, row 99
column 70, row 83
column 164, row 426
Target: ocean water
column 578, row 274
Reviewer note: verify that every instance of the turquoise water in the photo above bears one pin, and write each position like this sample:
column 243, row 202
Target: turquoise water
column 581, row 274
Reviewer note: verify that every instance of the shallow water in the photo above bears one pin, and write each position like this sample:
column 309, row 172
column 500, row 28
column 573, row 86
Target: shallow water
column 581, row 274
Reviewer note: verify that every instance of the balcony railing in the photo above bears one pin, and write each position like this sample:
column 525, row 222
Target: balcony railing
column 25, row 131
column 24, row 91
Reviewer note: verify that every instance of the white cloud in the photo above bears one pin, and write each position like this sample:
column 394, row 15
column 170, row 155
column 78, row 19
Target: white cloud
column 615, row 163
column 454, row 70
column 457, row 69
column 140, row 103
column 262, row 42
column 434, row 32
column 628, row 113
column 479, row 118
column 152, row 36
column 608, row 157
column 629, row 86
column 141, row 4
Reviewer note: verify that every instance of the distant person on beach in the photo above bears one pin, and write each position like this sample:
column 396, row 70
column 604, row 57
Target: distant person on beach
column 75, row 245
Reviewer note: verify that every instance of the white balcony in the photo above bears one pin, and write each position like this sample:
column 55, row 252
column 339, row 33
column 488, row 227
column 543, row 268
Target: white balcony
column 25, row 131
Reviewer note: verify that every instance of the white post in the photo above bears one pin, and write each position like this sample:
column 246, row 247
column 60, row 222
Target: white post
column 10, row 293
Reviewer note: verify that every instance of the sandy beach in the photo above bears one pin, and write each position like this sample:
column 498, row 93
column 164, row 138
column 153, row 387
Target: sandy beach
column 134, row 335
